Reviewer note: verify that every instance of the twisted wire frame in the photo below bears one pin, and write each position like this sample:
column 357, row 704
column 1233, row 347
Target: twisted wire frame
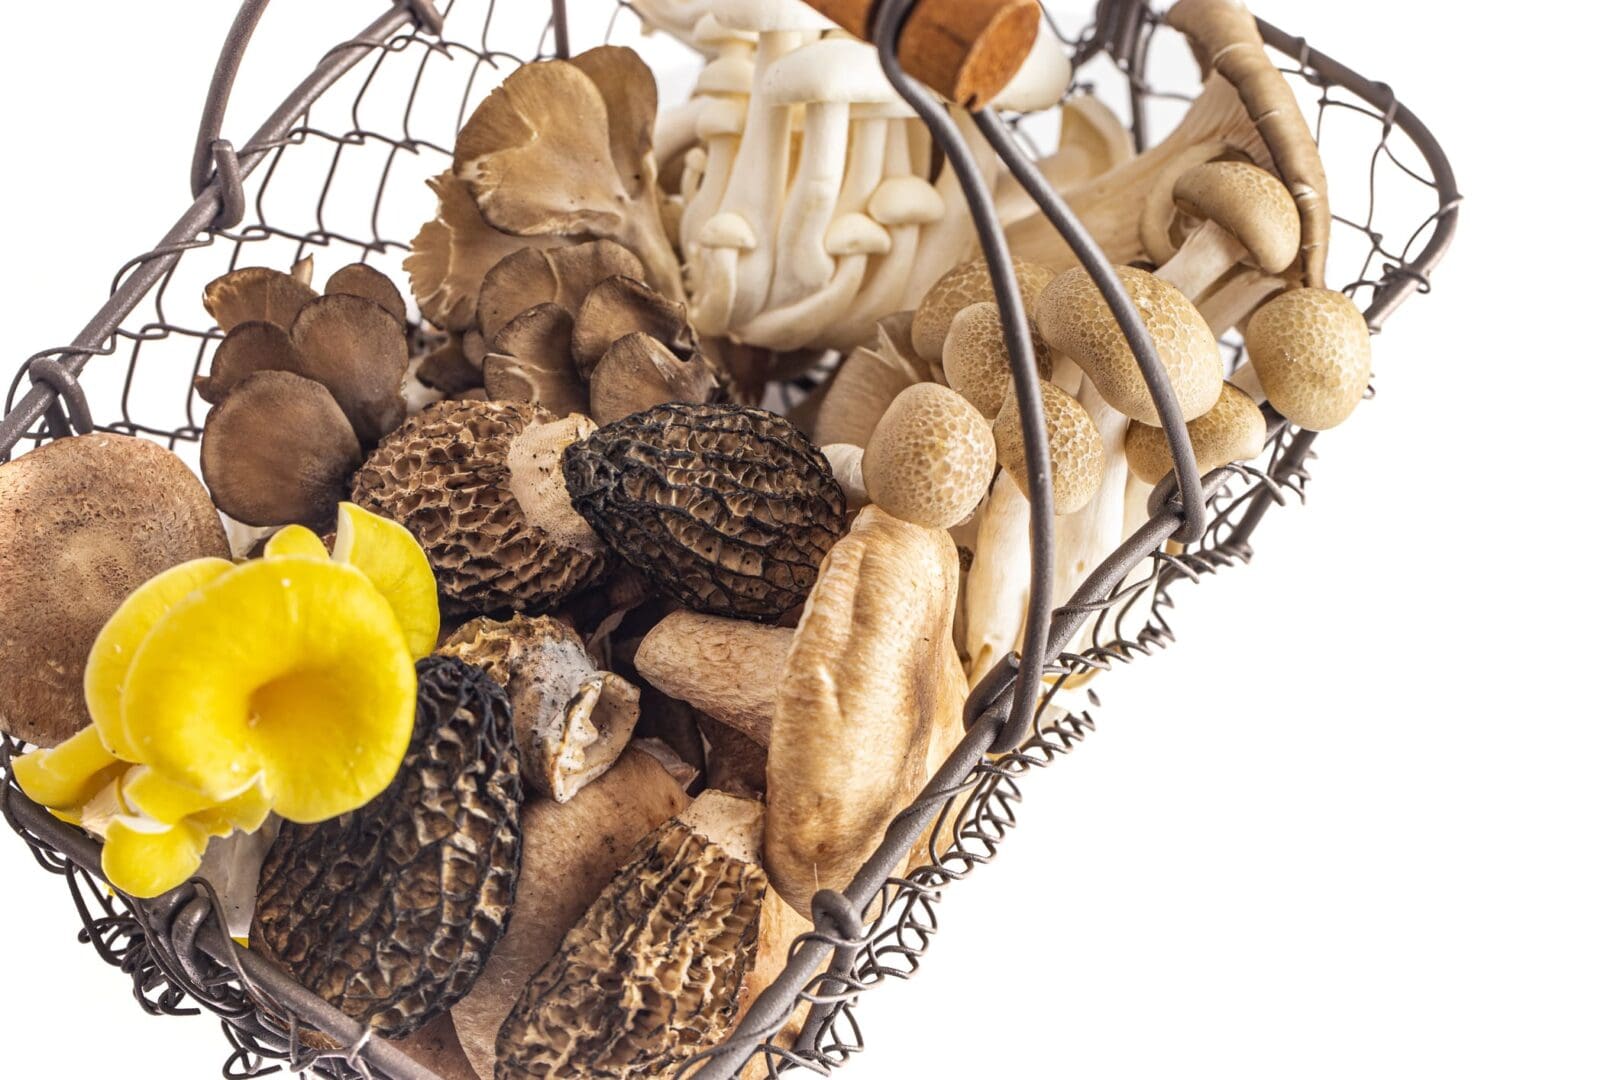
column 365, row 158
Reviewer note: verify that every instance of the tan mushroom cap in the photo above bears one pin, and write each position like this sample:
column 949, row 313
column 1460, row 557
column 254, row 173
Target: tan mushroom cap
column 520, row 281
column 358, row 351
column 1313, row 354
column 638, row 371
column 631, row 95
column 532, row 359
column 866, row 382
column 976, row 362
column 1248, row 202
column 582, row 267
column 930, row 458
column 452, row 253
column 260, row 476
column 1075, row 320
column 448, row 370
column 1074, row 443
column 358, row 279
column 83, row 522
column 1234, row 430
column 618, row 306
column 967, row 283
column 255, row 294
column 871, row 690
column 249, row 347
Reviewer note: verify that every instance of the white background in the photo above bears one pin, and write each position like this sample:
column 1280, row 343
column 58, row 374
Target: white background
column 1360, row 820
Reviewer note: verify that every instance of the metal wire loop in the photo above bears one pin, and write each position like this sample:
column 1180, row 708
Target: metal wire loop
column 228, row 178
column 49, row 371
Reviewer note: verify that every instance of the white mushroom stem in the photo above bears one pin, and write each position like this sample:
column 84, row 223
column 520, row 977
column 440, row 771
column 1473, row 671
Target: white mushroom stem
column 853, row 237
column 1087, row 537
column 802, row 262
column 720, row 125
column 998, row 580
column 1208, row 252
column 952, row 238
column 1235, row 297
column 675, row 130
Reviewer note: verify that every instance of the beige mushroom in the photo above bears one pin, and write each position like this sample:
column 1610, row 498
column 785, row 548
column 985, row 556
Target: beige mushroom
column 255, row 294
column 864, row 385
column 1234, row 430
column 998, row 580
column 732, row 762
column 452, row 254
column 844, row 459
column 871, row 692
column 975, row 358
column 638, row 371
column 726, row 668
column 1074, row 319
column 618, row 306
column 434, row 1046
column 1246, row 217
column 1312, row 353
column 1072, row 439
column 722, row 93
column 1091, row 140
column 968, row 283
column 368, row 283
column 930, row 458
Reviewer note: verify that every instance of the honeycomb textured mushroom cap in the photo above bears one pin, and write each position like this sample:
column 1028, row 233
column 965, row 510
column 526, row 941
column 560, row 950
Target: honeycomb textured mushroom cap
column 968, row 283
column 1075, row 320
column 976, row 362
column 1248, row 202
column 1234, row 430
column 83, row 522
column 1075, row 444
column 477, row 483
column 930, row 458
column 390, row 912
column 1313, row 354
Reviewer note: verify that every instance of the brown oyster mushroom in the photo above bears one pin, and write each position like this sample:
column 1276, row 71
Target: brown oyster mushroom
column 538, row 156
column 967, row 283
column 631, row 95
column 1313, row 355
column 248, row 347
column 532, row 359
column 279, row 451
column 724, row 667
column 448, row 370
column 618, row 306
column 570, row 853
column 582, row 267
column 355, row 349
column 1075, row 320
column 872, row 692
column 255, row 294
column 522, row 280
column 1075, row 444
column 975, row 358
column 368, row 283
column 452, row 253
column 572, row 720
column 638, row 372
column 1234, row 430
column 931, row 457
column 435, row 1047
column 479, row 485
column 85, row 520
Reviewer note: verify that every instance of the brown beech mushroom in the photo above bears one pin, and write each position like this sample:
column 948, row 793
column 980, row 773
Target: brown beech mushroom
column 1234, row 430
column 1075, row 320
column 967, row 283
column 724, row 667
column 1246, row 217
column 570, row 853
column 1312, row 353
column 1076, row 448
column 975, row 358
column 86, row 519
column 572, row 720
column 872, row 692
column 930, row 458
column 255, row 294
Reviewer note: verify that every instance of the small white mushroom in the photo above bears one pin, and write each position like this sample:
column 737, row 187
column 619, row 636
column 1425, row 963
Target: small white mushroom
column 722, row 90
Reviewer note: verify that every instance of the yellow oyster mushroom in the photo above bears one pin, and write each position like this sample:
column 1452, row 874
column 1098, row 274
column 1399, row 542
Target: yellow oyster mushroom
column 247, row 812
column 146, row 858
column 292, row 669
column 387, row 553
column 150, row 794
column 295, row 540
column 66, row 775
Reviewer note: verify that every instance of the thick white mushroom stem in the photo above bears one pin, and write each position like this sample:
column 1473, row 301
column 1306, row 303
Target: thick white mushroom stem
column 720, row 122
column 1235, row 297
column 998, row 580
column 854, row 238
column 1208, row 252
column 1086, row 538
column 802, row 262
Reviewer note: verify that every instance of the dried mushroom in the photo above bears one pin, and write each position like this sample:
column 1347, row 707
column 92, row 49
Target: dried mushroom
column 389, row 912
column 572, row 720
column 656, row 969
column 570, row 853
column 86, row 520
column 479, row 486
column 724, row 667
column 726, row 508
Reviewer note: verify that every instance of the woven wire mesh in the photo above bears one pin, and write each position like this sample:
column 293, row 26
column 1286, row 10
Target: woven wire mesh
column 364, row 156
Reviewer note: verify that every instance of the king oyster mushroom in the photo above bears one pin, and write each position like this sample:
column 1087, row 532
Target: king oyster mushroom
column 724, row 667
column 87, row 519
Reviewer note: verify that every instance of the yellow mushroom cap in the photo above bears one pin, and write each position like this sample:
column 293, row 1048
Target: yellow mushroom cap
column 145, row 858
column 388, row 554
column 1076, row 448
column 964, row 284
column 930, row 457
column 1074, row 319
column 64, row 776
column 1313, row 354
column 1248, row 202
column 1234, row 430
column 976, row 362
column 293, row 669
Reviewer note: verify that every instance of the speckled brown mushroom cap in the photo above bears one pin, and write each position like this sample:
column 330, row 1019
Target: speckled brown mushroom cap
column 1072, row 438
column 1248, row 202
column 478, row 484
column 1074, row 319
column 83, row 521
column 976, row 362
column 930, row 457
column 1234, row 430
column 1313, row 354
column 967, row 283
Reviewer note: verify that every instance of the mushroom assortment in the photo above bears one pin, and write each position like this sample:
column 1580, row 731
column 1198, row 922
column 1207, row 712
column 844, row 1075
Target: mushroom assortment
column 601, row 669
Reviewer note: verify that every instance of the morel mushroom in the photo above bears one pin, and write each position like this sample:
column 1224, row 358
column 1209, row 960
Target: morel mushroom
column 572, row 720
column 480, row 487
column 87, row 520
column 389, row 912
column 726, row 508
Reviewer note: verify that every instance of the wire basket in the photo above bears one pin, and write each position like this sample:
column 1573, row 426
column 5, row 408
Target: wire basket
column 337, row 171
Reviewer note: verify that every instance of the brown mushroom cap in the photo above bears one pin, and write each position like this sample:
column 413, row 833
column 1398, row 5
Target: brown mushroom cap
column 631, row 95
column 1075, row 444
column 930, row 458
column 249, row 347
column 522, row 280
column 1313, row 354
column 1075, row 320
column 638, row 372
column 977, row 364
column 358, row 279
column 1234, row 430
column 582, row 267
column 255, row 294
column 532, row 359
column 358, row 351
column 452, row 253
column 261, row 476
column 967, row 283
column 1248, row 202
column 83, row 521
column 618, row 306
column 447, row 369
